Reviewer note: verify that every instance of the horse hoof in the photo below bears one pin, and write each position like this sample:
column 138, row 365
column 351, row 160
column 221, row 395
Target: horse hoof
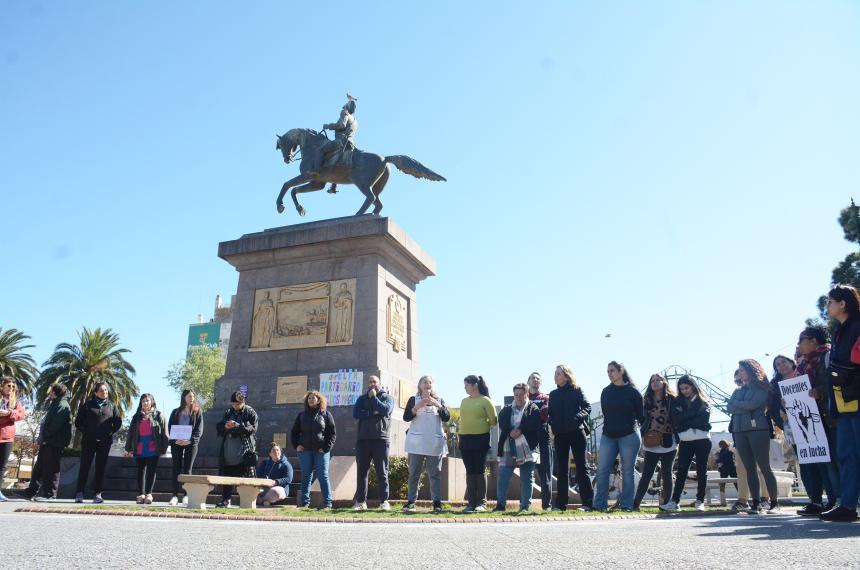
column 301, row 211
column 280, row 208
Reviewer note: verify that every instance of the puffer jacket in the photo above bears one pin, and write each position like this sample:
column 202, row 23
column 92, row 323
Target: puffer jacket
column 7, row 423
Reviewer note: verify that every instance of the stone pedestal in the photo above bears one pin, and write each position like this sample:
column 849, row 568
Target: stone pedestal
column 329, row 303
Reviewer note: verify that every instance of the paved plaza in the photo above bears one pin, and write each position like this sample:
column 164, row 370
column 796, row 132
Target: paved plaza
column 79, row 541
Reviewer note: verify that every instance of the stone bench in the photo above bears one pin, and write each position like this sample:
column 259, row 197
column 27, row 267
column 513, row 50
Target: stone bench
column 199, row 486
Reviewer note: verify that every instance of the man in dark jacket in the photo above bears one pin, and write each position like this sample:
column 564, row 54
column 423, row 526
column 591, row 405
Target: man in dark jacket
column 54, row 435
column 544, row 468
column 519, row 438
column 373, row 412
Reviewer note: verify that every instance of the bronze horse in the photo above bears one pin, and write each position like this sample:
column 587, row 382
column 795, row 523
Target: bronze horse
column 368, row 171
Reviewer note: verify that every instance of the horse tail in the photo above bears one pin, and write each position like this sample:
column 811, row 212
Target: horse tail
column 413, row 168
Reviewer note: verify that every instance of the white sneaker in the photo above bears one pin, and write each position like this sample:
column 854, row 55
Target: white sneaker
column 700, row 506
column 359, row 507
column 185, row 501
column 670, row 507
column 174, row 500
column 384, row 506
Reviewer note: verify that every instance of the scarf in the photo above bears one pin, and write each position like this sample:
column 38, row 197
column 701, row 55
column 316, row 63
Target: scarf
column 809, row 364
column 99, row 402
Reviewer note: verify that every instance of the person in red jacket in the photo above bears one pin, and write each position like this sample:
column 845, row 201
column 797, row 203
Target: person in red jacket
column 11, row 411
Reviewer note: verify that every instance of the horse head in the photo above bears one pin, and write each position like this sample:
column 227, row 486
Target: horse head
column 287, row 144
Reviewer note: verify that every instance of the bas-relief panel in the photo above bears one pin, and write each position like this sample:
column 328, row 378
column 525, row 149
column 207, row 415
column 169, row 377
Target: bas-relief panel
column 303, row 316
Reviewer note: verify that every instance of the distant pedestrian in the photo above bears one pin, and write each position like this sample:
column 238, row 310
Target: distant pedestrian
column 569, row 412
column 55, row 434
column 477, row 417
column 146, row 442
column 11, row 411
column 238, row 454
column 623, row 413
column 278, row 468
column 519, row 438
column 373, row 412
column 313, row 436
column 426, row 443
column 843, row 305
column 97, row 420
column 544, row 467
column 184, row 451
column 691, row 418
column 725, row 461
column 751, row 430
column 658, row 438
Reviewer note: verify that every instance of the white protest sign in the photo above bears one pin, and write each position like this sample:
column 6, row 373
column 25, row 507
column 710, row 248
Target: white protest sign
column 806, row 423
column 180, row 432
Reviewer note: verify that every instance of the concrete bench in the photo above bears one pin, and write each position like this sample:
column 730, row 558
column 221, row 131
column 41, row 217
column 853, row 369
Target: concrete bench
column 199, row 486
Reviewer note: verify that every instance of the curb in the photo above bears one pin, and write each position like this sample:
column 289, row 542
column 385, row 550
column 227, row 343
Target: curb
column 340, row 519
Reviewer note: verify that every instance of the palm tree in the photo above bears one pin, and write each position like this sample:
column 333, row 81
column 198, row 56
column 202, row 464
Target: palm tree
column 97, row 358
column 17, row 363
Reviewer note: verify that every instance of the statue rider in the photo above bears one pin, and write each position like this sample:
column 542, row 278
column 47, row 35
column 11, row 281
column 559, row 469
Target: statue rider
column 344, row 132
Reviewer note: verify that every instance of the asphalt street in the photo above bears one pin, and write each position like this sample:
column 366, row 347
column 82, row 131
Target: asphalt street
column 81, row 541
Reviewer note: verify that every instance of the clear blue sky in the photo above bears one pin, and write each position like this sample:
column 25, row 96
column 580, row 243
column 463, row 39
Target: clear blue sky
column 667, row 172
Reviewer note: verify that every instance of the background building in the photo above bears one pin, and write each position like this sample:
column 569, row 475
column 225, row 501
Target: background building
column 216, row 332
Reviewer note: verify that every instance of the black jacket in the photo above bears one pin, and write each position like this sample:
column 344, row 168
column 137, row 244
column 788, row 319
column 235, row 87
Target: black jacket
column 845, row 337
column 97, row 424
column 57, row 427
column 409, row 414
column 690, row 415
column 246, row 418
column 373, row 415
column 314, row 430
column 196, row 425
column 569, row 410
column 529, row 425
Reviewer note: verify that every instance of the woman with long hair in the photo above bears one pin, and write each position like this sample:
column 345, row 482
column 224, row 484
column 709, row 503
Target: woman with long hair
column 146, row 442
column 843, row 305
column 313, row 435
column 11, row 411
column 477, row 417
column 691, row 418
column 569, row 411
column 184, row 451
column 658, row 438
column 97, row 420
column 622, row 408
column 426, row 443
column 751, row 430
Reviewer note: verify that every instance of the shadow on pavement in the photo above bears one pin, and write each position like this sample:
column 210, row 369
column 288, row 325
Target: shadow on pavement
column 778, row 527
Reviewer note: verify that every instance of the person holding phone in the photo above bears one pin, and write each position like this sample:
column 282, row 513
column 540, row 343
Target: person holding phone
column 238, row 456
column 373, row 412
column 184, row 451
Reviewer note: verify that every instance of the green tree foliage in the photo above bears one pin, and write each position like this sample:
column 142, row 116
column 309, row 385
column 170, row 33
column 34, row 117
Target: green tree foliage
column 199, row 372
column 96, row 358
column 848, row 270
column 15, row 362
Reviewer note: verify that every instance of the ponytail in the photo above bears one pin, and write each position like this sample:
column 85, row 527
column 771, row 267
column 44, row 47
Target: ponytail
column 479, row 380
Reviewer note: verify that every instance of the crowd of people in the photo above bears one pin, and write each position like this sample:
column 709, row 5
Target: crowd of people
column 671, row 425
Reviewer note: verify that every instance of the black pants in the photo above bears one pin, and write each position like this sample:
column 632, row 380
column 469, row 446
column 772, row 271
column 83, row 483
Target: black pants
column 146, row 468
column 365, row 451
column 701, row 449
column 666, row 461
column 45, row 478
column 5, row 451
column 230, row 471
column 183, row 463
column 89, row 450
column 544, row 470
column 565, row 443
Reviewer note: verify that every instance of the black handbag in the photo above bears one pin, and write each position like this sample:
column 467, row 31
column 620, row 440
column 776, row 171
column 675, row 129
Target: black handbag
column 841, row 375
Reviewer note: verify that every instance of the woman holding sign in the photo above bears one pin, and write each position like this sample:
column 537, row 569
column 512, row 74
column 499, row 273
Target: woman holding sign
column 186, row 426
column 751, row 430
column 843, row 304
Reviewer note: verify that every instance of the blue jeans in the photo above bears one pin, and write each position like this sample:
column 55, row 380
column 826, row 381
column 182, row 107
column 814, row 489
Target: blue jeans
column 610, row 448
column 527, row 479
column 848, row 450
column 318, row 463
